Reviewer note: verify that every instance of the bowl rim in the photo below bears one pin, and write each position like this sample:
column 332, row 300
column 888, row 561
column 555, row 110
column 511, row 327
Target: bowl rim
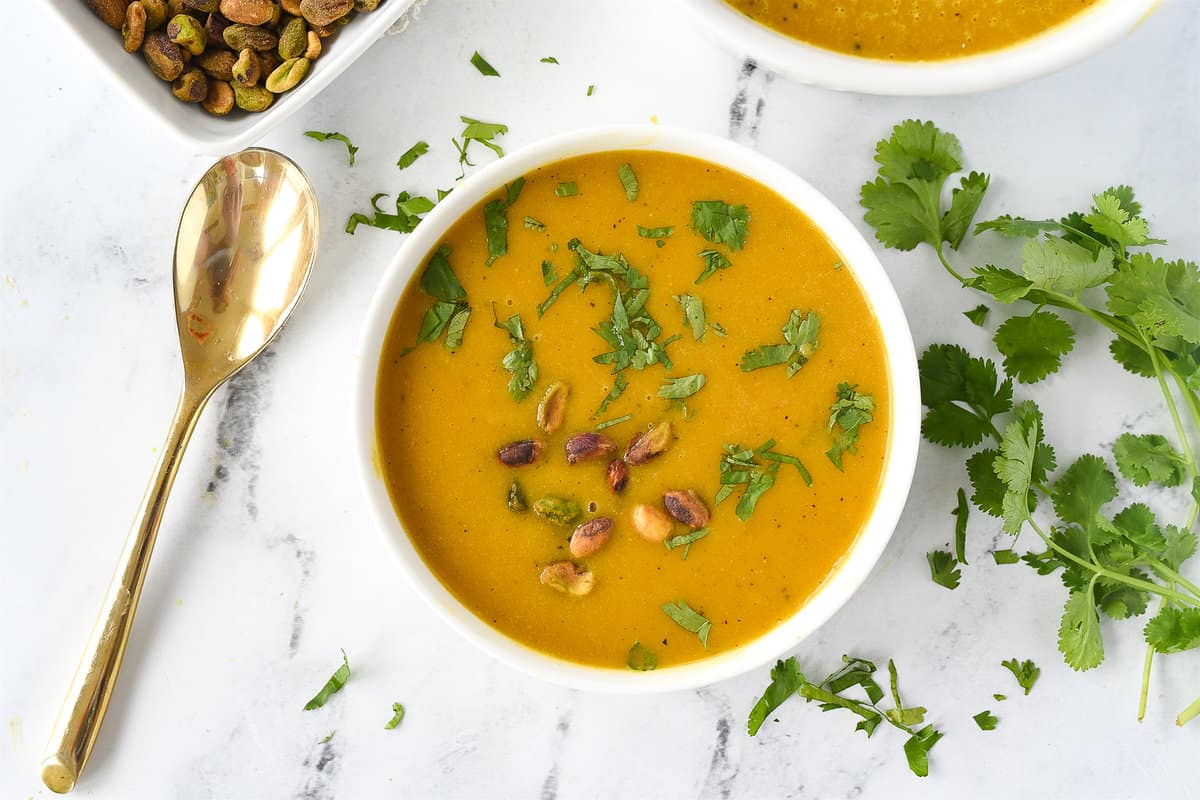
column 239, row 133
column 1060, row 46
column 905, row 408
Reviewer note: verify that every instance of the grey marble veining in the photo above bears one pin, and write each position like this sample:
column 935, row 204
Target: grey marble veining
column 267, row 563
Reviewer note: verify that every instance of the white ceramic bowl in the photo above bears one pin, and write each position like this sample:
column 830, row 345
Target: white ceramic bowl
column 904, row 423
column 195, row 126
column 1052, row 50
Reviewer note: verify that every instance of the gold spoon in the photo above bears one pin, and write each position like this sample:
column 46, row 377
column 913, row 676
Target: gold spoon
column 246, row 244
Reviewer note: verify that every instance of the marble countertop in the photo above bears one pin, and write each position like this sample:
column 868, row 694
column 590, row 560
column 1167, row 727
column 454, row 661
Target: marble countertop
column 267, row 562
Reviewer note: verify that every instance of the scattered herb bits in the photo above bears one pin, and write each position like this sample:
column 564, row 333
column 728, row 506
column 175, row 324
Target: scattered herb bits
column 480, row 63
column 332, row 686
column 333, row 136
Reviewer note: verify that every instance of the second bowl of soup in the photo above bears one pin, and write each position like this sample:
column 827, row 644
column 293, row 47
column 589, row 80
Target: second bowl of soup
column 918, row 47
column 637, row 409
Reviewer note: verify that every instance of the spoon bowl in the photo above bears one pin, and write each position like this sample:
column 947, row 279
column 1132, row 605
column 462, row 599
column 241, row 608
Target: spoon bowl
column 246, row 245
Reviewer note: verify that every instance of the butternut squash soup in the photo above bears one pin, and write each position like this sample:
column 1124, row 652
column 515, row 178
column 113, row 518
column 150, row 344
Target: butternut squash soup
column 633, row 410
column 911, row 30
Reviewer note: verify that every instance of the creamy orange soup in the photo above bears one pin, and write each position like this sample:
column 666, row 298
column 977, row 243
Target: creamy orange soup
column 911, row 30
column 444, row 416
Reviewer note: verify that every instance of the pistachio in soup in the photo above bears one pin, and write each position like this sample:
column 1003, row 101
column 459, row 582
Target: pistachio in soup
column 633, row 397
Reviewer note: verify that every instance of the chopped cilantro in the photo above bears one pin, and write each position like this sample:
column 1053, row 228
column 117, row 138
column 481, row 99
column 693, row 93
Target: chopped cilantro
column 476, row 131
column 333, row 136
column 960, row 513
column 695, row 317
column 483, row 66
column 690, row 620
column 495, row 220
column 409, row 211
column 800, row 342
column 327, row 738
column 566, row 189
column 397, row 715
column 629, row 181
column 1005, row 557
column 656, row 233
column 713, row 261
column 721, row 223
column 522, row 369
column 986, row 720
column 618, row 388
column 615, row 421
column 681, row 388
column 1026, row 672
column 591, row 89
column 686, row 540
column 977, row 315
column 641, row 658
column 745, row 467
column 332, row 686
column 848, row 413
column 549, row 60
column 943, row 569
column 450, row 311
column 412, row 154
column 534, row 225
column 549, row 274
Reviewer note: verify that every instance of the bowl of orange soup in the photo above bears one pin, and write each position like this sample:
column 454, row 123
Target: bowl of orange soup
column 918, row 47
column 637, row 409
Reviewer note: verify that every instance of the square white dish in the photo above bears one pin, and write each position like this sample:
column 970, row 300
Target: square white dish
column 203, row 131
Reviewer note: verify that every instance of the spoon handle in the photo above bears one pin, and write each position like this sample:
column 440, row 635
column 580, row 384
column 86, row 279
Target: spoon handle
column 83, row 710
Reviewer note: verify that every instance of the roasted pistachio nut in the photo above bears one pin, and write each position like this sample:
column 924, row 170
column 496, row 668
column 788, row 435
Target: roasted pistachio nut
column 156, row 14
column 591, row 536
column 214, row 28
column 569, row 578
column 520, row 453
column 246, row 70
column 287, row 75
column 559, row 510
column 163, row 56
column 268, row 60
column 217, row 64
column 203, row 6
column 291, row 7
column 618, row 475
column 249, row 12
column 252, row 98
column 177, row 7
column 110, row 12
column 191, row 86
column 366, row 6
column 516, row 498
column 687, row 507
column 314, row 46
column 652, row 523
column 293, row 38
column 589, row 446
column 323, row 31
column 239, row 37
column 649, row 444
column 187, row 32
column 552, row 409
column 133, row 30
column 325, row 12
column 220, row 98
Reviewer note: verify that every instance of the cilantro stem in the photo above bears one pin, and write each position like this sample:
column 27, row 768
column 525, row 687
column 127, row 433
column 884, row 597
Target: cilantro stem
column 1168, row 574
column 1101, row 572
column 942, row 257
column 1156, row 360
column 1188, row 713
column 1146, row 664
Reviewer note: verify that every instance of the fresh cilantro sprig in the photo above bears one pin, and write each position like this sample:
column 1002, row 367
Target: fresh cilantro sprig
column 830, row 694
column 755, row 469
column 1091, row 264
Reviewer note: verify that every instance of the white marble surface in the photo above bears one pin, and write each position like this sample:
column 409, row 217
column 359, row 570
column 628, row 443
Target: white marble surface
column 268, row 563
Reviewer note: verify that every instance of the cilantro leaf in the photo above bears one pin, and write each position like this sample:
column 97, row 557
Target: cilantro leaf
column 1002, row 557
column 438, row 279
column 1162, row 298
column 450, row 311
column 689, row 619
column 1113, row 220
column 409, row 211
column 918, row 150
column 745, row 467
column 481, row 64
column 484, row 133
column 1174, row 630
column 1079, row 634
column 721, row 223
column 917, row 748
column 986, row 720
column 411, row 155
column 664, row 232
column 629, row 181
column 987, row 488
column 849, row 412
column 686, row 540
column 332, row 686
column 1149, row 458
column 963, row 396
column 397, row 715
column 549, row 60
column 1132, row 358
column 800, row 335
column 943, row 569
column 495, row 220
column 1026, row 672
column 1059, row 265
column 786, row 679
column 713, row 261
column 901, row 218
column 1004, row 285
column 641, row 658
column 977, row 315
column 1180, row 546
column 334, row 136
column 681, row 388
column 1014, row 466
column 960, row 514
column 1033, row 346
column 519, row 362
column 1082, row 490
column 964, row 203
column 549, row 274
